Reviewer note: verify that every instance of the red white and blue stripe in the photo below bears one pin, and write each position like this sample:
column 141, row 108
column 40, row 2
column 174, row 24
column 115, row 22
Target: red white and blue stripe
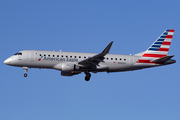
column 159, row 48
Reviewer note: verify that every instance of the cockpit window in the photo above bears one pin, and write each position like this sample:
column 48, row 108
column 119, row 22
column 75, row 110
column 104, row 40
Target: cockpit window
column 19, row 53
column 16, row 54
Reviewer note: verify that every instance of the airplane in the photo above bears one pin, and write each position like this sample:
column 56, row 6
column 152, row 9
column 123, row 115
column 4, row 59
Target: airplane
column 73, row 63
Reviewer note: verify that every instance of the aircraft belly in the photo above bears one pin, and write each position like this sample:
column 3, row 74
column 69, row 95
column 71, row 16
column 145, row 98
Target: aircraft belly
column 102, row 67
column 119, row 67
column 42, row 64
column 143, row 66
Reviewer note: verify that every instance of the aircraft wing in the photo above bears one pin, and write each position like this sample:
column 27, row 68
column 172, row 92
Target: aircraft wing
column 96, row 59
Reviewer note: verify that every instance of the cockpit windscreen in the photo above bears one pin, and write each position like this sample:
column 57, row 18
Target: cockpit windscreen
column 19, row 53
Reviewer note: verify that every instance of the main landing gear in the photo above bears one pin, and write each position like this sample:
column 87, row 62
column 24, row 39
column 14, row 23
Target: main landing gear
column 88, row 76
column 26, row 70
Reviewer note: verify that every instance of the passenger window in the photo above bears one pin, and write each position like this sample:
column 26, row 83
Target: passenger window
column 84, row 56
column 48, row 55
column 61, row 55
column 66, row 56
column 115, row 58
column 124, row 59
column 70, row 56
column 74, row 56
column 79, row 56
column 107, row 58
column 111, row 58
column 39, row 54
column 53, row 55
column 120, row 59
column 57, row 55
column 45, row 55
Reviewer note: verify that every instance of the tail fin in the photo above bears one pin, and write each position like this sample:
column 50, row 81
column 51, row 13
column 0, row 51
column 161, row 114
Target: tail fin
column 159, row 48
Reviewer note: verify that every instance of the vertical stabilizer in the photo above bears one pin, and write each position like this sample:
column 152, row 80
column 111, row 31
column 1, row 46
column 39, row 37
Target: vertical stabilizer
column 159, row 48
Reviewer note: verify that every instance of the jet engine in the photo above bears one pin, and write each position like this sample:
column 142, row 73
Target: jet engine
column 66, row 67
column 69, row 67
column 69, row 73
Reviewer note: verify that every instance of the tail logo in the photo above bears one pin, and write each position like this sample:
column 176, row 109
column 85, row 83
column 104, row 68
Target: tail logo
column 163, row 42
column 159, row 48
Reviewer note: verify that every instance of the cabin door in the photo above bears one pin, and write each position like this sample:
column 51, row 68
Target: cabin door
column 32, row 56
column 131, row 60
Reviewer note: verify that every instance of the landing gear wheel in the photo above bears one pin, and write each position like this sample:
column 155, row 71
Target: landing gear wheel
column 25, row 74
column 26, row 70
column 88, row 76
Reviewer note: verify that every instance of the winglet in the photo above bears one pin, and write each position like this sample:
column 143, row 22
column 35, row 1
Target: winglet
column 107, row 49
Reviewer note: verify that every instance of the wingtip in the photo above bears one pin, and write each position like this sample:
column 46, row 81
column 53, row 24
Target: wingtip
column 107, row 49
column 111, row 43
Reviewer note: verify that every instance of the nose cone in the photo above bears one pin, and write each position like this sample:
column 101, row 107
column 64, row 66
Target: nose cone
column 7, row 61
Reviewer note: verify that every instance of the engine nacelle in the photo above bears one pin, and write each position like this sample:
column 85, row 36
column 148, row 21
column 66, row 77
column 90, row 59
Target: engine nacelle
column 69, row 73
column 69, row 67
column 66, row 67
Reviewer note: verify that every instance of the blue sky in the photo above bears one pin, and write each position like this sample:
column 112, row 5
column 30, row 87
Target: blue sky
column 88, row 26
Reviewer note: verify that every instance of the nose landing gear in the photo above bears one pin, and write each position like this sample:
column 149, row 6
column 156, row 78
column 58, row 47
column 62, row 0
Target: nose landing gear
column 26, row 70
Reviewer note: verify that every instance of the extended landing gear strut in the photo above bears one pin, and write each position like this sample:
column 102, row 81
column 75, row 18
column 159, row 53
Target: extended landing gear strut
column 26, row 70
column 88, row 76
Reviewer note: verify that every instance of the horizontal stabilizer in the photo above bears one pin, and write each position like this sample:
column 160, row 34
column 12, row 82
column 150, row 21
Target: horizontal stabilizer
column 163, row 59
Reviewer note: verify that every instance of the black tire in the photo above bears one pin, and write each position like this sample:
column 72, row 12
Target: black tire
column 25, row 74
column 88, row 76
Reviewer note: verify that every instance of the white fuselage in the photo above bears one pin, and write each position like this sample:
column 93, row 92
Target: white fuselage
column 48, row 59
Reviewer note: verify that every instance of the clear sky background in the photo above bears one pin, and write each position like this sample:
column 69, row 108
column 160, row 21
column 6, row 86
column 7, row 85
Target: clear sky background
column 88, row 26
